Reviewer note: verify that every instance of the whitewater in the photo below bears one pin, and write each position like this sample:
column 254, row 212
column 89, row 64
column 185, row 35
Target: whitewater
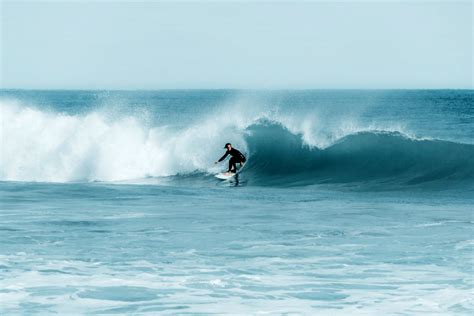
column 351, row 201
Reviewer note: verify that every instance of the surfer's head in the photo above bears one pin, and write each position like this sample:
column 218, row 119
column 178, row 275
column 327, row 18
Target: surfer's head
column 228, row 146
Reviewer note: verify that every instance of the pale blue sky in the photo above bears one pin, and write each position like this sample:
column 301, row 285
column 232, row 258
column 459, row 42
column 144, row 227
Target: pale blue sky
column 162, row 45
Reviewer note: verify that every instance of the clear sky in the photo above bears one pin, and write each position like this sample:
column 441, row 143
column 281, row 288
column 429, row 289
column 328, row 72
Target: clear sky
column 163, row 45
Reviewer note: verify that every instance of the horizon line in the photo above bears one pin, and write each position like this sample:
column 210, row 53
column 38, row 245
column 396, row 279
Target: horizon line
column 223, row 89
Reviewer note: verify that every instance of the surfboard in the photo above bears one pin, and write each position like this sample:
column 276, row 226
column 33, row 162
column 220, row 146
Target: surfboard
column 225, row 175
column 228, row 175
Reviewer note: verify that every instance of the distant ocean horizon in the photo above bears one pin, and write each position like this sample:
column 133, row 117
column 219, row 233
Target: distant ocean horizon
column 352, row 200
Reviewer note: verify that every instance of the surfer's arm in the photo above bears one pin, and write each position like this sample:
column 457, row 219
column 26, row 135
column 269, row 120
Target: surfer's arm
column 223, row 157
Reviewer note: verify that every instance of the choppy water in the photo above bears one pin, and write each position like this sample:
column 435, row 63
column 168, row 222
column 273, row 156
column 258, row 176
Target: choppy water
column 351, row 202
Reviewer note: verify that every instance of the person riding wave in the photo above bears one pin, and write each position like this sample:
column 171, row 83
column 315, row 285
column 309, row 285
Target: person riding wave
column 237, row 157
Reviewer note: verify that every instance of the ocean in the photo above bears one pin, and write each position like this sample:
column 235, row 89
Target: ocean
column 352, row 202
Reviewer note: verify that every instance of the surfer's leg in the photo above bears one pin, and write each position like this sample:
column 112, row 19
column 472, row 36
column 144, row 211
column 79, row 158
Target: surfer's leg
column 232, row 166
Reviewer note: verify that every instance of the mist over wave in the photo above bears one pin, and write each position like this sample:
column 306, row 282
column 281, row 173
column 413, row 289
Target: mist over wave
column 283, row 148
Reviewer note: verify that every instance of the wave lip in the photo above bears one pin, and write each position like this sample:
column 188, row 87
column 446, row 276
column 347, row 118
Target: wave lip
column 281, row 158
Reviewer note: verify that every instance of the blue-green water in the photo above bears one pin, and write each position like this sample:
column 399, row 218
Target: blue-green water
column 352, row 202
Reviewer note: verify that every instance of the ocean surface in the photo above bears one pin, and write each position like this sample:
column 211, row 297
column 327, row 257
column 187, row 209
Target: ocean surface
column 352, row 202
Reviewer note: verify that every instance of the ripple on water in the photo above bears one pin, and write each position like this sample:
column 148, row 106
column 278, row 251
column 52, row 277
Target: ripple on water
column 120, row 293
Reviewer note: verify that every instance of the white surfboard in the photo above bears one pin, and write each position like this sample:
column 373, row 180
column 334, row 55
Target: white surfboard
column 225, row 175
column 228, row 175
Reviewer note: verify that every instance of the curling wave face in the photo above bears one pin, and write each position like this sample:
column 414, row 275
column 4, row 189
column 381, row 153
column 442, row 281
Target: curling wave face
column 281, row 158
column 48, row 146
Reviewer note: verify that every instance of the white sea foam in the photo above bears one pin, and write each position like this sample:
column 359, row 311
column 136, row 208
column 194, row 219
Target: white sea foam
column 98, row 288
column 45, row 146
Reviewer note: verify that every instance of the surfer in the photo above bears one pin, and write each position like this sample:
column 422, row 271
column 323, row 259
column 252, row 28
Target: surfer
column 237, row 157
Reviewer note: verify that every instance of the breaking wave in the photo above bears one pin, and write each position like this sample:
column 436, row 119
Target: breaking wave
column 38, row 145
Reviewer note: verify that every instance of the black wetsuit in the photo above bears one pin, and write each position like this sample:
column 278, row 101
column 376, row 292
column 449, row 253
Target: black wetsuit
column 237, row 157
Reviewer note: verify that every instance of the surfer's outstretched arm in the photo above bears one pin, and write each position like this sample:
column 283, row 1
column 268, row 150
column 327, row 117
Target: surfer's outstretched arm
column 223, row 157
